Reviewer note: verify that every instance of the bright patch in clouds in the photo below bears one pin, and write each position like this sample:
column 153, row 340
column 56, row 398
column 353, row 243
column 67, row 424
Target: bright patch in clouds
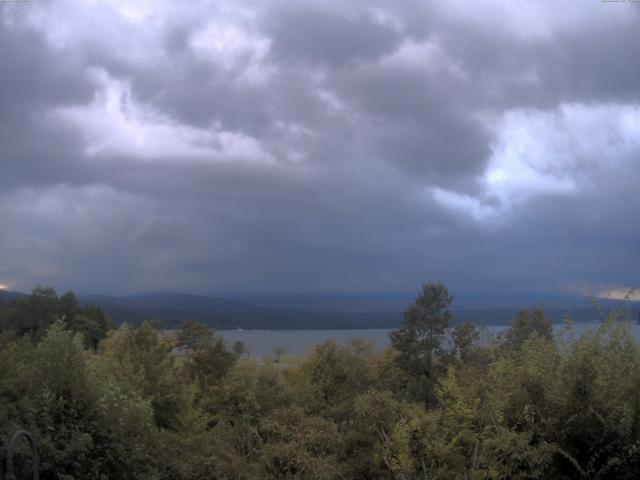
column 550, row 152
column 233, row 49
column 428, row 56
column 531, row 21
column 540, row 152
column 621, row 293
column 464, row 203
column 115, row 124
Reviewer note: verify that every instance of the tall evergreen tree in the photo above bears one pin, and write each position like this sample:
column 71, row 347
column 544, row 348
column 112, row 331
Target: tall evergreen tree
column 420, row 337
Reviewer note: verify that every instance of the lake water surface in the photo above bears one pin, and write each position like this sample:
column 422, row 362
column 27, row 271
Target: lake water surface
column 298, row 342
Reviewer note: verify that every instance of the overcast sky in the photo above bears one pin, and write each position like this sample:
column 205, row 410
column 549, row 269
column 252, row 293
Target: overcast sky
column 296, row 146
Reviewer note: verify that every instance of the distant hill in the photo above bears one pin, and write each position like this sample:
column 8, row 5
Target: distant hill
column 329, row 311
column 314, row 312
column 484, row 308
column 399, row 302
column 172, row 308
column 7, row 296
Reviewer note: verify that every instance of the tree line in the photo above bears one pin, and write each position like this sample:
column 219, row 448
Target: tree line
column 438, row 403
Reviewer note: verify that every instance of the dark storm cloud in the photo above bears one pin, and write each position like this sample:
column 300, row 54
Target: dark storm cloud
column 432, row 151
column 590, row 235
column 599, row 65
column 595, row 61
column 309, row 35
column 308, row 146
column 35, row 75
column 204, row 96
column 415, row 126
column 35, row 149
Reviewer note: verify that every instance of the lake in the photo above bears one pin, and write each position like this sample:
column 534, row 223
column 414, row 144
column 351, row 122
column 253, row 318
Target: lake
column 298, row 342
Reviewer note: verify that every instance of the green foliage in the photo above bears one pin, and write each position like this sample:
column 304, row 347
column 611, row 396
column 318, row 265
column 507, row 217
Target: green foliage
column 142, row 358
column 33, row 315
column 526, row 324
column 333, row 376
column 209, row 359
column 193, row 335
column 420, row 338
column 147, row 405
column 85, row 428
column 464, row 338
column 299, row 446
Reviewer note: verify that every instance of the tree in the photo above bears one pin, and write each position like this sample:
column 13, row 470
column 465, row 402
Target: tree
column 239, row 348
column 33, row 315
column 194, row 335
column 526, row 324
column 94, row 325
column 464, row 336
column 332, row 377
column 420, row 336
column 87, row 424
column 299, row 446
column 209, row 357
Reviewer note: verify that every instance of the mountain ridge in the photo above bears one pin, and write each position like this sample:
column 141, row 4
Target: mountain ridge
column 323, row 311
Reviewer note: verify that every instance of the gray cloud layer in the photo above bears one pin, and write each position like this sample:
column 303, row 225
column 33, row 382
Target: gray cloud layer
column 307, row 146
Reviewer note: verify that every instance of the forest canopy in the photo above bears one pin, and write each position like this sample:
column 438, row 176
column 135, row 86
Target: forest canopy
column 138, row 403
